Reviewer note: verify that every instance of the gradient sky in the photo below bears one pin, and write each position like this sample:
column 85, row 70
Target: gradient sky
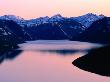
column 37, row 8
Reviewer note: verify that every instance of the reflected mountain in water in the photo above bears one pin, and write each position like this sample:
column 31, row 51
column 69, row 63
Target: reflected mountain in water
column 9, row 55
column 96, row 61
column 63, row 52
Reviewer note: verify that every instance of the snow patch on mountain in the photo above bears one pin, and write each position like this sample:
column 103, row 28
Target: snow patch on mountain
column 16, row 19
column 11, row 17
column 56, row 18
column 88, row 19
column 85, row 20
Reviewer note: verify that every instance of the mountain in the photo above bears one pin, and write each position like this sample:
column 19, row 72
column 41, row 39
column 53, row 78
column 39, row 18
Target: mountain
column 44, row 20
column 16, row 19
column 58, row 25
column 11, row 17
column 99, row 31
column 88, row 19
column 11, row 34
column 82, row 28
column 56, row 18
column 56, row 28
column 85, row 20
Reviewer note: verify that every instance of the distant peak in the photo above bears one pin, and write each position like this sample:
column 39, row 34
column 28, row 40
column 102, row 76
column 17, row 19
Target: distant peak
column 57, row 16
column 102, row 15
column 11, row 17
column 92, row 14
column 46, row 17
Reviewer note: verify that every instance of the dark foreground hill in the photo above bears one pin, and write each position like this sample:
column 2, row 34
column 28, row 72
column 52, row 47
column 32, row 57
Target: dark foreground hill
column 96, row 61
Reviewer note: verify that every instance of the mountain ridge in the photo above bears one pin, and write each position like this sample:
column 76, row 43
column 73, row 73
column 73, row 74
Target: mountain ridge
column 88, row 18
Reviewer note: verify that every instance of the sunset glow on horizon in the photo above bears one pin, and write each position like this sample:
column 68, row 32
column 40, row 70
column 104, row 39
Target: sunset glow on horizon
column 38, row 8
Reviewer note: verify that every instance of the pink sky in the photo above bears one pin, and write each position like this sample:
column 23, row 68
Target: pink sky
column 37, row 8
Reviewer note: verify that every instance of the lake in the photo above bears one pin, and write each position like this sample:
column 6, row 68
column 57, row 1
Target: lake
column 47, row 61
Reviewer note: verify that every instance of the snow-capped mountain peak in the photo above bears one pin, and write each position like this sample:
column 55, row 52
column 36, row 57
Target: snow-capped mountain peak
column 57, row 17
column 43, row 19
column 11, row 17
column 92, row 16
column 88, row 19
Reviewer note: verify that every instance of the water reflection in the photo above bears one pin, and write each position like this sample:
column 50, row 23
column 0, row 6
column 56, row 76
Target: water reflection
column 60, row 47
column 96, row 61
column 49, row 64
column 61, row 52
column 9, row 55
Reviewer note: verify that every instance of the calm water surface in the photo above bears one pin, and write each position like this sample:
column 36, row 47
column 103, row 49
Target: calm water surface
column 47, row 61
